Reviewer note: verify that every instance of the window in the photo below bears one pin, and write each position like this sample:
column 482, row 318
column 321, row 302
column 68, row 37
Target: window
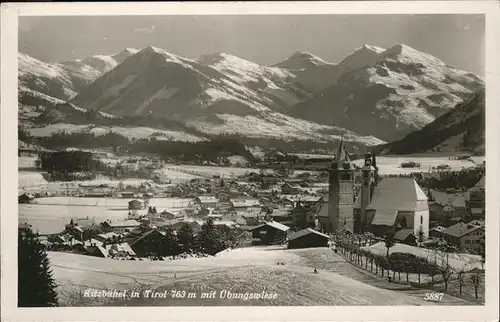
column 421, row 220
column 467, row 241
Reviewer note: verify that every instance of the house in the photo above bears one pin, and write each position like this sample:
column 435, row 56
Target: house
column 165, row 214
column 135, row 204
column 304, row 215
column 176, row 192
column 26, row 198
column 206, row 201
column 128, row 195
column 475, row 201
column 269, row 233
column 120, row 250
column 121, row 227
column 23, row 228
column 244, row 203
column 307, row 238
column 405, row 236
column 466, row 237
column 106, row 236
column 147, row 242
column 291, row 188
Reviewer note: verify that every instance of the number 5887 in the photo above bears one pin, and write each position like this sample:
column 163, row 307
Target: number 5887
column 433, row 296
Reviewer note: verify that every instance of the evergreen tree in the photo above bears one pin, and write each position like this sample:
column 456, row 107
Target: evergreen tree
column 169, row 244
column 209, row 239
column 36, row 285
column 186, row 238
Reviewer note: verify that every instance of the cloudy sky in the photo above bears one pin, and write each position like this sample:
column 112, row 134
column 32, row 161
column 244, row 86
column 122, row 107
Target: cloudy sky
column 456, row 39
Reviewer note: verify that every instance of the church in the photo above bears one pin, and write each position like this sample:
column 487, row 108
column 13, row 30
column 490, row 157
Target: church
column 378, row 205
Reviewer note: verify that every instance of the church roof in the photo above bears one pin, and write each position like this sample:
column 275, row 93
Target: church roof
column 395, row 194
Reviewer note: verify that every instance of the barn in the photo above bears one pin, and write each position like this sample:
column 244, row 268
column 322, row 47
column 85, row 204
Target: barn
column 135, row 204
column 307, row 238
column 268, row 233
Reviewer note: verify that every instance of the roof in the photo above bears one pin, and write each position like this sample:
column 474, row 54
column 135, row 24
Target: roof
column 122, row 247
column 108, row 235
column 135, row 200
column 480, row 184
column 245, row 202
column 403, row 234
column 273, row 224
column 124, row 223
column 292, row 185
column 460, row 229
column 305, row 232
column 395, row 194
column 207, row 199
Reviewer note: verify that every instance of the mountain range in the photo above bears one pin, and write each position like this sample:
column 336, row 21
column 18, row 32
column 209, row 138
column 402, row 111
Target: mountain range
column 460, row 129
column 373, row 95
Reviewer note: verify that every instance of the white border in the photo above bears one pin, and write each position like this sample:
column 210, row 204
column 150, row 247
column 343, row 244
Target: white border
column 9, row 30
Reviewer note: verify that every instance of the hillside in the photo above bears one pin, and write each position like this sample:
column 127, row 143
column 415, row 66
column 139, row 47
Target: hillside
column 390, row 94
column 64, row 80
column 242, row 270
column 217, row 94
column 316, row 74
column 460, row 129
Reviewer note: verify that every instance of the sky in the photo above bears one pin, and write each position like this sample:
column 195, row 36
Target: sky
column 265, row 39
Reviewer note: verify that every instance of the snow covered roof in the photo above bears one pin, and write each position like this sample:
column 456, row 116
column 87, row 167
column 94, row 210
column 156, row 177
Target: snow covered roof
column 305, row 232
column 273, row 224
column 237, row 203
column 125, row 223
column 207, row 199
column 395, row 194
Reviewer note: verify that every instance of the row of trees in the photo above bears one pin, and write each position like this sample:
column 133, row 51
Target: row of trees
column 350, row 246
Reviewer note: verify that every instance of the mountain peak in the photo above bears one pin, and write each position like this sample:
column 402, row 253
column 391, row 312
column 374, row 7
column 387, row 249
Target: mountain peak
column 301, row 60
column 371, row 48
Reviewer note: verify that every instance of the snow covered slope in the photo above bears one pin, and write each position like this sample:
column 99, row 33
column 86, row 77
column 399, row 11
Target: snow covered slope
column 461, row 129
column 64, row 80
column 217, row 94
column 390, row 94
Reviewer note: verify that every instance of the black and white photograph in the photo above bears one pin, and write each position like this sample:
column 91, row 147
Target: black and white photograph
column 252, row 160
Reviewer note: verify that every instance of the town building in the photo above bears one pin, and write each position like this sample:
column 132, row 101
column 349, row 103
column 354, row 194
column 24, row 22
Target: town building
column 291, row 188
column 269, row 233
column 307, row 238
column 120, row 227
column 26, row 198
column 135, row 204
column 475, row 202
column 382, row 205
column 466, row 237
column 206, row 201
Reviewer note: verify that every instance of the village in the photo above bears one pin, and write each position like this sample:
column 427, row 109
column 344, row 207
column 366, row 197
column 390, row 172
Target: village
column 277, row 207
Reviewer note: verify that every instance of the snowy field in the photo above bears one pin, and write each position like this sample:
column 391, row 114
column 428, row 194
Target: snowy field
column 49, row 215
column 242, row 270
column 456, row 261
column 25, row 162
column 129, row 132
column 392, row 164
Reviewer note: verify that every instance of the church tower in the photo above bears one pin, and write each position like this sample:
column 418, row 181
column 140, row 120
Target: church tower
column 368, row 173
column 341, row 192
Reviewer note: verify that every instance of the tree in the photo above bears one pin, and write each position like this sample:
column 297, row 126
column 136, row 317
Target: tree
column 476, row 280
column 389, row 242
column 209, row 238
column 36, row 285
column 169, row 244
column 186, row 238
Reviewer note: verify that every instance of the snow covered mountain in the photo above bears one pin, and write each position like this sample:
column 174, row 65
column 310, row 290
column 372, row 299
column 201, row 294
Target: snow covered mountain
column 388, row 93
column 217, row 94
column 64, row 80
column 460, row 129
